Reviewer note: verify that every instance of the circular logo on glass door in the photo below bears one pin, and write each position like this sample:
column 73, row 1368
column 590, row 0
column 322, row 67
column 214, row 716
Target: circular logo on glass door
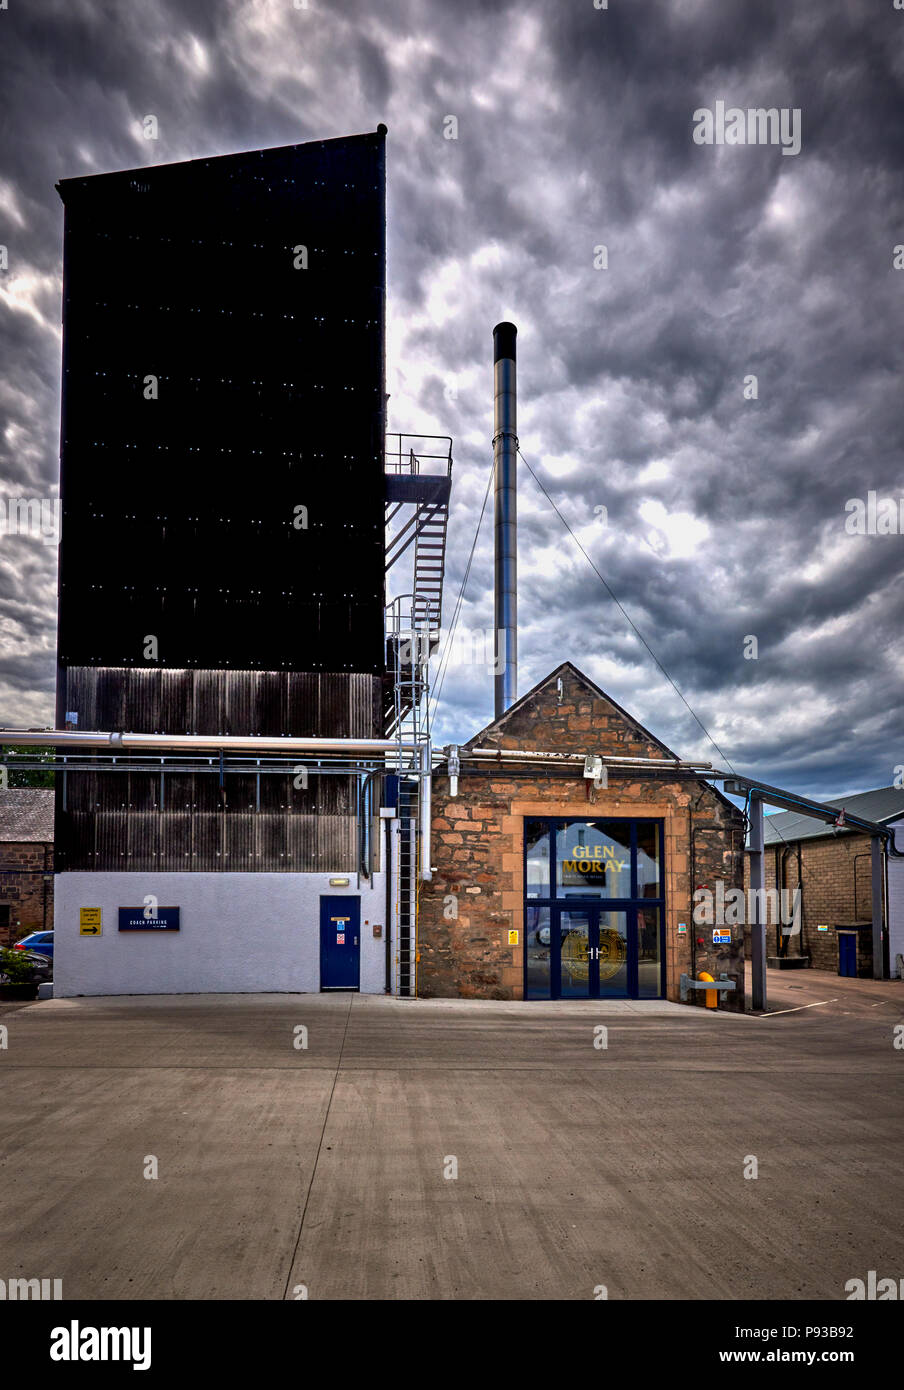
column 613, row 953
column 575, row 957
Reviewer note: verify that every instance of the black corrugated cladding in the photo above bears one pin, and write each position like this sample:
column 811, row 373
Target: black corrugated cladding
column 237, row 519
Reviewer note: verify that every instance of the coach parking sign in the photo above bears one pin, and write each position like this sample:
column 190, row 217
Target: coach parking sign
column 134, row 919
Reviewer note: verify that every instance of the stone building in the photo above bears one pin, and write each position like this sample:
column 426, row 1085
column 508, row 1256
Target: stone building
column 546, row 885
column 830, row 865
column 26, row 862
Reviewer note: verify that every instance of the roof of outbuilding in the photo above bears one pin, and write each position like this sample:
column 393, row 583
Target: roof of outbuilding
column 26, row 813
column 883, row 804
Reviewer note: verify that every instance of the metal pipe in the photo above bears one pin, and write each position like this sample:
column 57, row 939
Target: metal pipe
column 72, row 738
column 757, row 886
column 426, row 790
column 817, row 810
column 364, row 816
column 505, row 497
column 388, row 869
column 876, row 884
column 527, row 755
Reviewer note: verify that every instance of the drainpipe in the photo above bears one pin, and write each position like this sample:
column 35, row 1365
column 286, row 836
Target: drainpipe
column 365, row 812
column 878, row 915
column 783, row 941
column 800, row 885
column 426, row 792
column 387, row 860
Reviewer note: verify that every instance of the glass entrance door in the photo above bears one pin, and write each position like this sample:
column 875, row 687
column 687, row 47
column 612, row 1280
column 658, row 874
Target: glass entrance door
column 594, row 909
column 576, row 943
column 613, row 966
column 593, row 953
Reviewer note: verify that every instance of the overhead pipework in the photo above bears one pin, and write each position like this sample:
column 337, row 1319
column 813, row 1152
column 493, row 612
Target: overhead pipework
column 505, row 500
column 248, row 743
column 384, row 755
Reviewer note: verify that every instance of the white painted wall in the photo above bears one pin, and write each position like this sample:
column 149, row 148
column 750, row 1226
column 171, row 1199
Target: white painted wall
column 896, row 904
column 240, row 933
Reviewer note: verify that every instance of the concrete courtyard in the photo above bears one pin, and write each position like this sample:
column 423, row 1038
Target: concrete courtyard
column 328, row 1170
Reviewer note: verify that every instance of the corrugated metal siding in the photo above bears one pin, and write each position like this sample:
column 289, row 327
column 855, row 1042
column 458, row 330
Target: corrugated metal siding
column 224, row 702
column 114, row 820
column 177, row 842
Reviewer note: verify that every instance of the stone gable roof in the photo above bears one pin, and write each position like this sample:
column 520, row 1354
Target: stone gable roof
column 508, row 730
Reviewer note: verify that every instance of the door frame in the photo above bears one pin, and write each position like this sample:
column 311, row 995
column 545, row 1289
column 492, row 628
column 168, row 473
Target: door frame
column 353, row 903
column 594, row 909
column 631, row 906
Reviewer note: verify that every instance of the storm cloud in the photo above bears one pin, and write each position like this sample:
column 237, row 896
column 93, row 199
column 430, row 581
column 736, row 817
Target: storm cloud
column 713, row 507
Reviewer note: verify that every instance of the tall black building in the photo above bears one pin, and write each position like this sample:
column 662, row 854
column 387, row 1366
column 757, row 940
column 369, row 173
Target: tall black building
column 222, row 480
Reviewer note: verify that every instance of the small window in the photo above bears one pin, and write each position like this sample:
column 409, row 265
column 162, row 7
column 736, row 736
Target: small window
column 4, row 914
column 537, row 839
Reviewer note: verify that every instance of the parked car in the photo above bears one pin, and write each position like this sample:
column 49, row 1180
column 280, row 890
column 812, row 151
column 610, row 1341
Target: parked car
column 40, row 941
column 41, row 968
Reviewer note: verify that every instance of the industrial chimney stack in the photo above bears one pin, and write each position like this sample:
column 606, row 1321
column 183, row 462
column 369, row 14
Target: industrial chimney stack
column 505, row 447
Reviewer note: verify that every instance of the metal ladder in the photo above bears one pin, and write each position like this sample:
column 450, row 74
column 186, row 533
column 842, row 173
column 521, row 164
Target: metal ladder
column 409, row 648
column 407, row 882
column 418, row 476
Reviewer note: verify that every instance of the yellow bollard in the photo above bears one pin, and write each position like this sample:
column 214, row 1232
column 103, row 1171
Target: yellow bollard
column 711, row 995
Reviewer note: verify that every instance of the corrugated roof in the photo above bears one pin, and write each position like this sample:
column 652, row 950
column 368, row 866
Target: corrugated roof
column 26, row 813
column 883, row 804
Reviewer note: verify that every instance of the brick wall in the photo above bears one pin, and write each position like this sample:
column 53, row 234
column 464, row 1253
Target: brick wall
column 477, row 849
column 836, row 887
column 22, row 887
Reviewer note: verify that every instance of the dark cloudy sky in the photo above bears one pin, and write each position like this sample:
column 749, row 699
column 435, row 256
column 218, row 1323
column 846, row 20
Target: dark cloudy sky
column 726, row 516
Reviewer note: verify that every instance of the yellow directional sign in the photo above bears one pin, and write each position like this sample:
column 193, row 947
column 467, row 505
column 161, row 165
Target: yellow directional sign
column 89, row 922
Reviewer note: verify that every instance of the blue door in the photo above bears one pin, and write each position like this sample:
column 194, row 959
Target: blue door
column 340, row 938
column 847, row 954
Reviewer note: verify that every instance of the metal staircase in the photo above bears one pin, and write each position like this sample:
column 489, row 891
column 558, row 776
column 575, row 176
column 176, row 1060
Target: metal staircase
column 429, row 564
column 418, row 477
